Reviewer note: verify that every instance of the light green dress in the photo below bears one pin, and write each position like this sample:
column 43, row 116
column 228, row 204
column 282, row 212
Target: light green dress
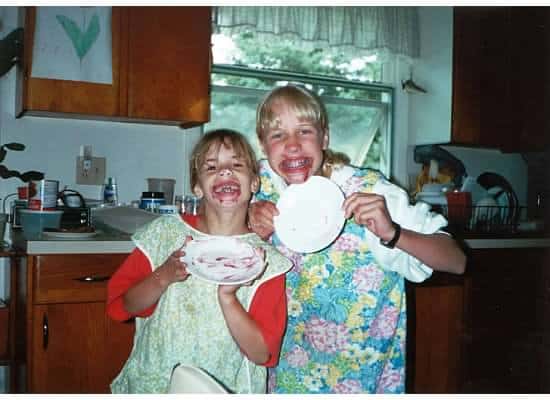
column 187, row 325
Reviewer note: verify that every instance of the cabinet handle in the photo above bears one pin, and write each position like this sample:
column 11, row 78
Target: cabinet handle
column 89, row 278
column 45, row 332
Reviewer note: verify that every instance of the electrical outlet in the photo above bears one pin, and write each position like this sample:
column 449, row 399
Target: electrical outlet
column 90, row 171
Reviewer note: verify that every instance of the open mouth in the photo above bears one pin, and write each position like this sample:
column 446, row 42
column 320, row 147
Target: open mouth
column 296, row 170
column 227, row 191
column 298, row 163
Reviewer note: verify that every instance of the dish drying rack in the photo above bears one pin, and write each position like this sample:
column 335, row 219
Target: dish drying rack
column 483, row 219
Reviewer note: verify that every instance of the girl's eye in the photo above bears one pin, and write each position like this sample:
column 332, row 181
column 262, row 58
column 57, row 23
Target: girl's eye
column 306, row 131
column 275, row 135
column 209, row 167
column 238, row 165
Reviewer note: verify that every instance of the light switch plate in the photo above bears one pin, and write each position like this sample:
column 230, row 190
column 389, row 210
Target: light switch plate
column 94, row 175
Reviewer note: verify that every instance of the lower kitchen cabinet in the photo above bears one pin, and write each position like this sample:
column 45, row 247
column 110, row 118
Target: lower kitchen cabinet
column 71, row 345
column 485, row 332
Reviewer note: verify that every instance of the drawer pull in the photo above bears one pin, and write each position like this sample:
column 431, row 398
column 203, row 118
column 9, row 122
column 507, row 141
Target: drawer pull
column 101, row 278
column 45, row 332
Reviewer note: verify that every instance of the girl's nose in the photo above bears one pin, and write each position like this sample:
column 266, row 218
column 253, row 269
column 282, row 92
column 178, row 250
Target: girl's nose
column 225, row 172
column 292, row 143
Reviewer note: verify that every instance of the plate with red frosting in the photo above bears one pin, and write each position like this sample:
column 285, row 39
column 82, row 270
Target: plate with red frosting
column 223, row 260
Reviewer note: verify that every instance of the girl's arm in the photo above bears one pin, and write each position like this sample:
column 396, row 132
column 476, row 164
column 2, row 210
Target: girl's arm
column 438, row 250
column 242, row 327
column 148, row 291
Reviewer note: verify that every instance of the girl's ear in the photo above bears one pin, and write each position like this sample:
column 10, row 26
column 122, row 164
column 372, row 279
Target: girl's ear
column 255, row 184
column 198, row 191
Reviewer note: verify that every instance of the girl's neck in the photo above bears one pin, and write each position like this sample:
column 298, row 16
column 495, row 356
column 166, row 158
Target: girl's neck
column 223, row 222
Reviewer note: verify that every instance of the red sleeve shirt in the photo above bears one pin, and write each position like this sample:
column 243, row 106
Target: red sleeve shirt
column 268, row 308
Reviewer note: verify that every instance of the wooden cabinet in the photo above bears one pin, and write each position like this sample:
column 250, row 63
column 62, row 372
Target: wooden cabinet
column 507, row 322
column 71, row 344
column 485, row 332
column 161, row 71
column 501, row 80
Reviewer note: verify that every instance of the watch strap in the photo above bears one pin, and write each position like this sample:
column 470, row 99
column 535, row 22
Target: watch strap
column 391, row 243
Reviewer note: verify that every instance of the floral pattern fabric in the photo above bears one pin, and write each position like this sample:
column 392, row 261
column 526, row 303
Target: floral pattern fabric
column 347, row 315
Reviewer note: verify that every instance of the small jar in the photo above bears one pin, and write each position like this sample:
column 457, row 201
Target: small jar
column 151, row 201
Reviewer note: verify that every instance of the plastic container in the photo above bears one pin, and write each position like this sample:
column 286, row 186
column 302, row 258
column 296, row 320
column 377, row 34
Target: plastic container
column 151, row 201
column 164, row 185
column 167, row 209
column 35, row 221
column 110, row 193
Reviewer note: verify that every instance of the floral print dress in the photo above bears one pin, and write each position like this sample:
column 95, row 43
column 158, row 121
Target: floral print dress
column 347, row 315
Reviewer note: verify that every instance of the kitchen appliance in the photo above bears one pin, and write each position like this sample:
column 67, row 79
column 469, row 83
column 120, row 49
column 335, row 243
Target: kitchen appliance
column 71, row 199
column 163, row 185
column 75, row 217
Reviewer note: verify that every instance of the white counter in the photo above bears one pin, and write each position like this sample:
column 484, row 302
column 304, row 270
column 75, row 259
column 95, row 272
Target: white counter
column 116, row 242
column 103, row 242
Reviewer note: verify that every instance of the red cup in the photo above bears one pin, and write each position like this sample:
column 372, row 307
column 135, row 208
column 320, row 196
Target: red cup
column 459, row 207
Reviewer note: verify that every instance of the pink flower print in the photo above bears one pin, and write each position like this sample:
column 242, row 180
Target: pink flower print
column 271, row 380
column 297, row 357
column 369, row 278
column 348, row 386
column 353, row 185
column 385, row 323
column 326, row 337
column 347, row 242
column 390, row 379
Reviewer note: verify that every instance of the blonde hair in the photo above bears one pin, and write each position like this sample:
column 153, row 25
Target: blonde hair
column 308, row 107
column 218, row 137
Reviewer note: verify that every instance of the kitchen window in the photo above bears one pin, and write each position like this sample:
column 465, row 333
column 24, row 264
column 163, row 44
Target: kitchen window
column 360, row 113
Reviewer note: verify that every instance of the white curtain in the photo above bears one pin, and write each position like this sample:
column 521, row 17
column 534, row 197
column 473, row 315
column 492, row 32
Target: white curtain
column 363, row 30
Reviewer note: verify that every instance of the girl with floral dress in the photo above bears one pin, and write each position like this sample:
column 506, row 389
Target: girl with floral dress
column 232, row 332
column 347, row 312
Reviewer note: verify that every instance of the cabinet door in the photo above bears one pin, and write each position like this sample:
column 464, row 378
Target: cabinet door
column 75, row 349
column 481, row 77
column 531, row 76
column 169, row 64
column 508, row 321
column 45, row 96
column 501, row 81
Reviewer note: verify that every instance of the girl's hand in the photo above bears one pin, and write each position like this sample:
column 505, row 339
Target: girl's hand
column 260, row 218
column 370, row 210
column 230, row 290
column 173, row 269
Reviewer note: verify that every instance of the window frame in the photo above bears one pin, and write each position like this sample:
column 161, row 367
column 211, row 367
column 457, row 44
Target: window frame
column 243, row 71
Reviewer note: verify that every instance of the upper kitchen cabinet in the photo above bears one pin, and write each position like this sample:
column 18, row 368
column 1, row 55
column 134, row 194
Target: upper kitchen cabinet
column 501, row 81
column 160, row 71
column 169, row 63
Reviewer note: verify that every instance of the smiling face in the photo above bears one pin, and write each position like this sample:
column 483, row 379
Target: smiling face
column 224, row 176
column 293, row 134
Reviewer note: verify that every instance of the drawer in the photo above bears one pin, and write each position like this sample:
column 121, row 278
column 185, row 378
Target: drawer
column 72, row 278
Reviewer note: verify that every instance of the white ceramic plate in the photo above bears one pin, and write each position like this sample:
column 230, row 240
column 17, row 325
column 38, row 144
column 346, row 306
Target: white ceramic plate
column 310, row 215
column 70, row 235
column 222, row 260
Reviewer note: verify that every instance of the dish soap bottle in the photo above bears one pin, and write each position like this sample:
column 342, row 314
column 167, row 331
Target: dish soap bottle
column 110, row 194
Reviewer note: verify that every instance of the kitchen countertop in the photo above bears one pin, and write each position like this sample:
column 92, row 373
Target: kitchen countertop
column 106, row 241
column 113, row 241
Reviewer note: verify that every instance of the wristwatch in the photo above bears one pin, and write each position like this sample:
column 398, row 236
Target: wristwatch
column 390, row 244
